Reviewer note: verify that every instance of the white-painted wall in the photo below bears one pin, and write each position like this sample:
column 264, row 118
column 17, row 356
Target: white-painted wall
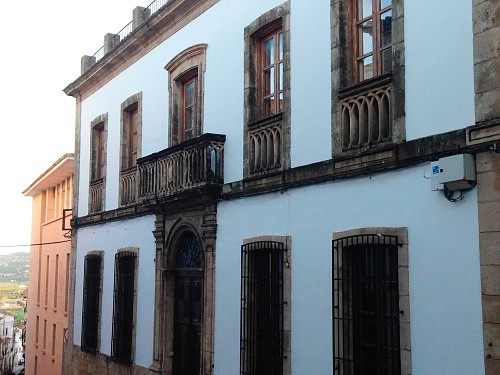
column 439, row 66
column 110, row 238
column 310, row 82
column 439, row 79
column 445, row 295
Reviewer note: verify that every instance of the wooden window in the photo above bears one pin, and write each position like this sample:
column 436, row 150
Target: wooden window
column 266, row 146
column 132, row 121
column 372, row 37
column 123, row 307
column 271, row 80
column 99, row 149
column 262, row 308
column 188, row 111
column 91, row 302
column 186, row 80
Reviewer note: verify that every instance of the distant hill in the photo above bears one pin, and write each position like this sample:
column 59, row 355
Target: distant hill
column 14, row 267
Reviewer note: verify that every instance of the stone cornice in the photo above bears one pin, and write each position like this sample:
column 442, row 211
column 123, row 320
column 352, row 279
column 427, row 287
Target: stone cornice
column 175, row 15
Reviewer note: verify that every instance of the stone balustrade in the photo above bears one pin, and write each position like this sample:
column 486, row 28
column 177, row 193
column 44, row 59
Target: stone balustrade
column 128, row 186
column 265, row 147
column 366, row 118
column 96, row 196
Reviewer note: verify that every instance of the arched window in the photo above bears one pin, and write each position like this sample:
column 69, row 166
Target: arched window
column 189, row 253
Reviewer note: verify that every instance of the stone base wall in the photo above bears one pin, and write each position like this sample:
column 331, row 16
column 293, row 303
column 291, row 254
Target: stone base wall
column 77, row 362
column 488, row 185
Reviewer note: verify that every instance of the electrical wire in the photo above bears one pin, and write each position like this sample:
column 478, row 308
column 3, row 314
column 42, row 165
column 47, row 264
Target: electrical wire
column 449, row 194
column 36, row 244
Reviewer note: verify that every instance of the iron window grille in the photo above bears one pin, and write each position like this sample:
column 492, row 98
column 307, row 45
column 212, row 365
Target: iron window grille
column 123, row 307
column 366, row 305
column 261, row 335
column 91, row 303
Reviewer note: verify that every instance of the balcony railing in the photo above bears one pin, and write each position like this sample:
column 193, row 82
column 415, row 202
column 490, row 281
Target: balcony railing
column 95, row 196
column 123, row 34
column 128, row 186
column 366, row 118
column 192, row 164
column 265, row 146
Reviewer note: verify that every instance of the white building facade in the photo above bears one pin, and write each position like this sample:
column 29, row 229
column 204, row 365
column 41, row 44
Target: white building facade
column 253, row 192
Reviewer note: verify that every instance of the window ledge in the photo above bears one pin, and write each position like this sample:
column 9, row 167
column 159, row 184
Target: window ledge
column 365, row 85
column 266, row 121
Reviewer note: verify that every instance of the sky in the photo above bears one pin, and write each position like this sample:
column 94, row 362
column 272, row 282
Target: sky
column 42, row 44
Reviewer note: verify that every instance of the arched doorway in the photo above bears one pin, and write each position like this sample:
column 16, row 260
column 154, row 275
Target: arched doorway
column 188, row 305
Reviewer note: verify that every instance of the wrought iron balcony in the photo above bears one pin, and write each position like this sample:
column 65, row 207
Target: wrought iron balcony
column 366, row 117
column 190, row 165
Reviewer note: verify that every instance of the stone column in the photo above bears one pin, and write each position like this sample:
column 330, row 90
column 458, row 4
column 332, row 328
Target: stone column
column 159, row 235
column 486, row 133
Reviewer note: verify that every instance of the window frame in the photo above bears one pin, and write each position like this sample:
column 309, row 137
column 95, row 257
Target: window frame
column 369, row 236
column 191, row 78
column 346, row 86
column 123, row 343
column 275, row 33
column 131, row 106
column 281, row 262
column 272, row 155
column 182, row 69
column 98, row 163
column 95, row 302
column 357, row 55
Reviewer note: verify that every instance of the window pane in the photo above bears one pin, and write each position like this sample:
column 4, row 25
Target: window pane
column 280, row 102
column 189, row 94
column 281, row 46
column 366, row 33
column 385, row 3
column 386, row 28
column 268, row 82
column 281, row 76
column 366, row 68
column 387, row 60
column 364, row 9
column 269, row 106
column 269, row 52
column 188, row 118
